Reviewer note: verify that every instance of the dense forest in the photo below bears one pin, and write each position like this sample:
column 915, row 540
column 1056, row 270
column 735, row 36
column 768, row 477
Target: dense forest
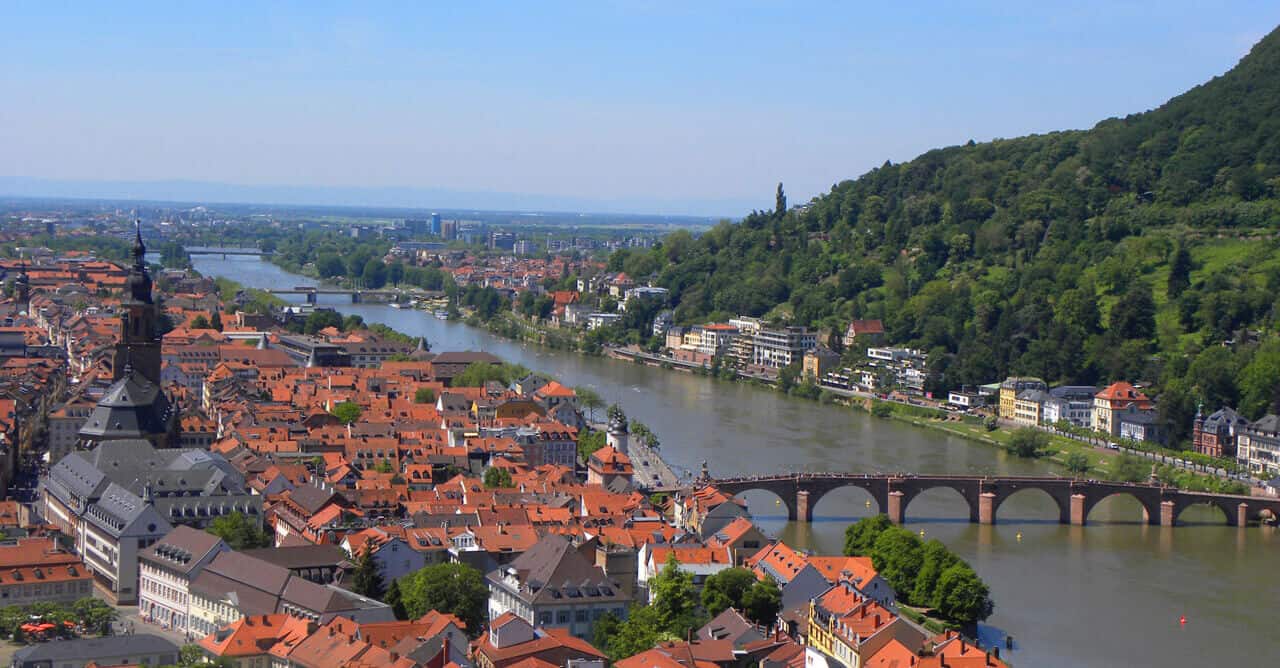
column 1145, row 248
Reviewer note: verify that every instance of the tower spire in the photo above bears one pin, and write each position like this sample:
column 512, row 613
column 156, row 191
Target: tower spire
column 139, row 248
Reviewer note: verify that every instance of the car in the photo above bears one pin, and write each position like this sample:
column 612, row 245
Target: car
column 1113, row 446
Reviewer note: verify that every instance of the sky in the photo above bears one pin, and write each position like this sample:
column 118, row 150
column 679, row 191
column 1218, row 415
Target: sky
column 665, row 107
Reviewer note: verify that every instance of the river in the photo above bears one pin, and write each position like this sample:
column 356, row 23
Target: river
column 1109, row 594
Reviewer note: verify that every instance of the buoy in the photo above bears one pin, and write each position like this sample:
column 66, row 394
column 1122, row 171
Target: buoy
column 1019, row 536
column 777, row 502
column 922, row 533
column 868, row 503
column 1182, row 620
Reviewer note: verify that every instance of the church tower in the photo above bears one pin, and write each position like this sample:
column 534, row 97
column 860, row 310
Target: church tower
column 22, row 288
column 139, row 345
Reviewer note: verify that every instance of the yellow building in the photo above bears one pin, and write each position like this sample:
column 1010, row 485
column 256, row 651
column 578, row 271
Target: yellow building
column 1011, row 388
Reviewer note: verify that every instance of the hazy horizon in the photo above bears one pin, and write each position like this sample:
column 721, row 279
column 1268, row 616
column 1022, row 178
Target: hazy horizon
column 614, row 107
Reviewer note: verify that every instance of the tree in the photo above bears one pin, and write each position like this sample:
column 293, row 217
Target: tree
column 347, row 412
column 193, row 656
column 1127, row 468
column 861, row 536
column 1179, row 272
column 200, row 322
column 1259, row 389
column 762, row 602
column 589, row 399
column 898, row 556
column 329, row 265
column 643, row 629
column 457, row 589
column 215, row 322
column 320, row 319
column 937, row 559
column 395, row 599
column 726, row 589
column 367, row 578
column 497, row 477
column 780, row 201
column 962, row 596
column 478, row 373
column 604, row 631
column 94, row 614
column 675, row 599
column 374, row 274
column 424, row 395
column 1134, row 315
column 238, row 532
column 1077, row 463
column 395, row 273
column 1028, row 442
column 588, row 442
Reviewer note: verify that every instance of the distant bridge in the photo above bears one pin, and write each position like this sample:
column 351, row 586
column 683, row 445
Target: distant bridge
column 985, row 494
column 357, row 296
column 224, row 251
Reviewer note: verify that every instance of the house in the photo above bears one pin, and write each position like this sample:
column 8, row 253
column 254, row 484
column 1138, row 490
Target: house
column 1258, row 446
column 818, row 362
column 165, row 570
column 798, row 579
column 607, row 465
column 1114, row 398
column 36, row 569
column 1027, row 407
column 1009, row 390
column 393, row 556
column 851, row 628
column 1215, row 435
column 872, row 332
column 778, row 347
column 553, row 585
column 743, row 538
column 1069, row 403
column 142, row 649
column 1139, row 425
column 127, row 494
column 449, row 364
column 233, row 586
column 513, row 641
column 731, row 626
column 707, row 510
column 317, row 563
column 700, row 561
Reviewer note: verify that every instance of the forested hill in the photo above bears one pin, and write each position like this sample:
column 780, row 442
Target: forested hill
column 1082, row 256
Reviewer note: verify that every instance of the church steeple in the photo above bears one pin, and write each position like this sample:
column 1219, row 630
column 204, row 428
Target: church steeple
column 139, row 343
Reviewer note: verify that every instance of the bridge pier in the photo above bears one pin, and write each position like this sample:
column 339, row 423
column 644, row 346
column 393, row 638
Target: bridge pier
column 355, row 297
column 1242, row 515
column 311, row 297
column 803, row 512
column 895, row 508
column 1167, row 516
column 1077, row 516
column 987, row 508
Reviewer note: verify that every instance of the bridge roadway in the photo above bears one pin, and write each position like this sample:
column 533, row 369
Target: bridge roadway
column 985, row 494
column 225, row 251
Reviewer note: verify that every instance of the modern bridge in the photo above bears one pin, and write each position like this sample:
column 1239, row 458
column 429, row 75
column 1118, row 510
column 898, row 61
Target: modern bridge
column 225, row 251
column 984, row 495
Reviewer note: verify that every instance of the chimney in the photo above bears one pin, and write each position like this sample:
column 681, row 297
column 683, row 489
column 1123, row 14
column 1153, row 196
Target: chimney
column 988, row 662
column 395, row 656
column 996, row 652
column 877, row 622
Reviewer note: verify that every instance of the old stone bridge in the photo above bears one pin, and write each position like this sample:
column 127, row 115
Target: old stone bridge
column 984, row 495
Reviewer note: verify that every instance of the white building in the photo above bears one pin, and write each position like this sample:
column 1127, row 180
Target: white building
column 165, row 571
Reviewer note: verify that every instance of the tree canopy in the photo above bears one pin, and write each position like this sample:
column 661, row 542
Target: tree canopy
column 457, row 589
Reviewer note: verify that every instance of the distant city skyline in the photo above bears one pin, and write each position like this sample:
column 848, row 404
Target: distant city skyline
column 614, row 107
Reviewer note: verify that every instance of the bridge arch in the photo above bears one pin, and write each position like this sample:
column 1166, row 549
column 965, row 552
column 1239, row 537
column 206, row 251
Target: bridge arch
column 1228, row 507
column 784, row 499
column 1150, row 505
column 967, row 493
column 873, row 503
column 1061, row 502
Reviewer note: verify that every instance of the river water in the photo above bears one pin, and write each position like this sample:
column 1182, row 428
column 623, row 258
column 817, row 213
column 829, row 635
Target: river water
column 1109, row 594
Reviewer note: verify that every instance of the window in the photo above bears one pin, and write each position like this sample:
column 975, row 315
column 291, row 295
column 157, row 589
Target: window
column 580, row 616
column 562, row 617
column 544, row 618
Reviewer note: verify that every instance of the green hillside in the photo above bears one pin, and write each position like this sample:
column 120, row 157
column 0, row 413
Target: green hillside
column 1131, row 250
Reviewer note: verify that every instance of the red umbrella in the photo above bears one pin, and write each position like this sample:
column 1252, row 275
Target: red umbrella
column 68, row 624
column 45, row 627
column 29, row 627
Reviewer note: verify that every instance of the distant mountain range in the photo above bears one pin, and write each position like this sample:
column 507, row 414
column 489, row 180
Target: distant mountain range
column 415, row 198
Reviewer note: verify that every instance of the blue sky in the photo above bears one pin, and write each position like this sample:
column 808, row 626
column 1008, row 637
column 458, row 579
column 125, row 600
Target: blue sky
column 673, row 107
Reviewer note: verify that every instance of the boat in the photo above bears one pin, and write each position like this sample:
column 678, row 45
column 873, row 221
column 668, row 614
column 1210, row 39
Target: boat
column 443, row 315
column 397, row 305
